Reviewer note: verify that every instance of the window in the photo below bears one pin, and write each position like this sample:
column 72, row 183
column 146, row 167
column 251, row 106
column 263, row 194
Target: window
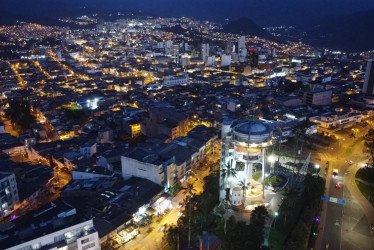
column 85, row 241
column 88, row 246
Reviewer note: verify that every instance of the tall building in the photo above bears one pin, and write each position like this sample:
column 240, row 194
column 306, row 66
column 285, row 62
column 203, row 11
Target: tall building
column 253, row 57
column 369, row 79
column 8, row 192
column 316, row 96
column 204, row 51
column 242, row 55
column 241, row 42
column 225, row 60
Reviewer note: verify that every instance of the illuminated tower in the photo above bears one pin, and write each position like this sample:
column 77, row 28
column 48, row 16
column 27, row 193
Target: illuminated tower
column 244, row 145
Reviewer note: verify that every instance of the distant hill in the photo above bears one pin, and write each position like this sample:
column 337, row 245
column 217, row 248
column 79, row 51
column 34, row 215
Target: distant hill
column 351, row 33
column 245, row 26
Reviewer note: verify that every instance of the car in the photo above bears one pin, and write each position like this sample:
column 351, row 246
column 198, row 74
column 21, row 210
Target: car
column 338, row 185
column 335, row 172
column 350, row 162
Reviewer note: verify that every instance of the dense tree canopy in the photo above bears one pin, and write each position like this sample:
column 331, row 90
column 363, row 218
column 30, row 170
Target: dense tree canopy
column 20, row 115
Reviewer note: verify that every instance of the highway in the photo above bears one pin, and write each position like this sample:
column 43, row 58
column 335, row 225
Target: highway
column 344, row 226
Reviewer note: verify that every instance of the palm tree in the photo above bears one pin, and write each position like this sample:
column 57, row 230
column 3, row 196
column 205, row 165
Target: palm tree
column 190, row 191
column 226, row 172
column 244, row 187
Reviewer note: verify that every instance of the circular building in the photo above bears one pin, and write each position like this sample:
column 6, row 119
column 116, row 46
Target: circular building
column 244, row 144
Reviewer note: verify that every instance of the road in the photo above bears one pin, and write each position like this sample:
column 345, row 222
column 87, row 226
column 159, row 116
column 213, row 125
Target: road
column 344, row 226
column 150, row 238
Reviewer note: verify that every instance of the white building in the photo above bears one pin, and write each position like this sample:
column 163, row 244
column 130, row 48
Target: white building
column 88, row 149
column 168, row 44
column 204, row 51
column 171, row 81
column 241, row 42
column 334, row 122
column 82, row 236
column 244, row 145
column 210, row 61
column 8, row 192
column 225, row 60
column 242, row 55
column 148, row 166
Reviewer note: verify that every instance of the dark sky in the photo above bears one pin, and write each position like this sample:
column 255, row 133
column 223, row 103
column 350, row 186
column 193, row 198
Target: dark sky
column 264, row 12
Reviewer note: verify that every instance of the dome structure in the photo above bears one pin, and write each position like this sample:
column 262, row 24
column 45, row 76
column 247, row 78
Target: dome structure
column 252, row 132
column 255, row 127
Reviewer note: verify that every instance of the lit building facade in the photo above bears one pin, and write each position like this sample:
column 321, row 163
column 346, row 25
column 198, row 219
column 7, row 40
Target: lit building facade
column 82, row 236
column 8, row 192
column 244, row 145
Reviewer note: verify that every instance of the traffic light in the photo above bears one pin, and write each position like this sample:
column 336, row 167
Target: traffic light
column 314, row 234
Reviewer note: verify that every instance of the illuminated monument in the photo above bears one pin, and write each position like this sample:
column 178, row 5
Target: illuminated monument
column 244, row 144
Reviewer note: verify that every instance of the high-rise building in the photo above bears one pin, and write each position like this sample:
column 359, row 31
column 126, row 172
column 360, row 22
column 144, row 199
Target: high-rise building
column 253, row 57
column 369, row 79
column 241, row 42
column 204, row 51
column 225, row 60
column 242, row 55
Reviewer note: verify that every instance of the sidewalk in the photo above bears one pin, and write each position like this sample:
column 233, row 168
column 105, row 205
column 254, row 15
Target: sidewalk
column 358, row 196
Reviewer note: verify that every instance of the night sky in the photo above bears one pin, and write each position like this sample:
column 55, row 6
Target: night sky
column 264, row 12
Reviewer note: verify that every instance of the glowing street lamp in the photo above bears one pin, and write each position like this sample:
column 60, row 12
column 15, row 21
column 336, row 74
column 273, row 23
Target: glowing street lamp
column 317, row 167
column 275, row 217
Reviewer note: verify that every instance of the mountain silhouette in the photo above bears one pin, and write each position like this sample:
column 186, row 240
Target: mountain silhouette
column 245, row 26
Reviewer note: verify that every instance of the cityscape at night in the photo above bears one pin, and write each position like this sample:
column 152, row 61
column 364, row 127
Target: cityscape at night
column 187, row 125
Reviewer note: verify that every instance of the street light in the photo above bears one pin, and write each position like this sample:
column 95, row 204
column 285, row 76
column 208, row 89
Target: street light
column 275, row 217
column 317, row 167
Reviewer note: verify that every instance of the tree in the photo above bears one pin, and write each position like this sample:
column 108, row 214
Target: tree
column 288, row 204
column 226, row 173
column 257, row 226
column 78, row 116
column 369, row 144
column 300, row 133
column 19, row 113
column 190, row 191
column 244, row 187
column 314, row 189
column 172, row 236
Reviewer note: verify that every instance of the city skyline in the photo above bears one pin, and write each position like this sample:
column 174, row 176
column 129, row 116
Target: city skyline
column 165, row 126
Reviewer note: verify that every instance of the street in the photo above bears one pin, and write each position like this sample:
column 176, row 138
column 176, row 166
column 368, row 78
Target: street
column 344, row 226
column 150, row 237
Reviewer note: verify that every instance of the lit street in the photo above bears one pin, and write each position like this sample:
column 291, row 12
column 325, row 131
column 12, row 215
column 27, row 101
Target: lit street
column 149, row 240
column 344, row 226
